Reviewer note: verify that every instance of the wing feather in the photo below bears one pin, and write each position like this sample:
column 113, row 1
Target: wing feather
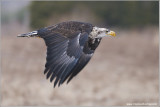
column 65, row 74
column 84, row 59
column 62, row 56
column 65, row 51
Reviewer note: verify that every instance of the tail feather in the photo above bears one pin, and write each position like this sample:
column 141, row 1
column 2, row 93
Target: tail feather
column 30, row 34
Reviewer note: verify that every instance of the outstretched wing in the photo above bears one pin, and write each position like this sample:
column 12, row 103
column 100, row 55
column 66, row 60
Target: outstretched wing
column 64, row 54
column 83, row 60
column 65, row 50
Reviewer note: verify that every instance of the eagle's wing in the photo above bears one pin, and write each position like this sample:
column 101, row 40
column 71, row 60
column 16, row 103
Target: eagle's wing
column 82, row 61
column 65, row 55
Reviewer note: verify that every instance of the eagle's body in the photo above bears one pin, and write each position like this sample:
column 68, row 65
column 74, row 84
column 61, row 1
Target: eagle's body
column 70, row 46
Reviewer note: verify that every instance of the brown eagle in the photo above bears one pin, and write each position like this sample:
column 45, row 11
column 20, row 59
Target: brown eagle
column 70, row 46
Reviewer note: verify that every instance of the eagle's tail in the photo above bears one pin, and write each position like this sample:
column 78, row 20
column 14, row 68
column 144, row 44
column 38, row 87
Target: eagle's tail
column 30, row 34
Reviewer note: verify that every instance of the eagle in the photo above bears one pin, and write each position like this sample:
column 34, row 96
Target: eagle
column 70, row 46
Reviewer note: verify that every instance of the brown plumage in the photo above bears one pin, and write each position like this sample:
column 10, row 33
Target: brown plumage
column 70, row 46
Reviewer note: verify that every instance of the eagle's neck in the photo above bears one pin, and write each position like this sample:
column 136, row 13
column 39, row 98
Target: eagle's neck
column 93, row 43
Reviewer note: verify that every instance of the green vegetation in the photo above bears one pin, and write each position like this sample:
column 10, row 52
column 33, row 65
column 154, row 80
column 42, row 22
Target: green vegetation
column 112, row 13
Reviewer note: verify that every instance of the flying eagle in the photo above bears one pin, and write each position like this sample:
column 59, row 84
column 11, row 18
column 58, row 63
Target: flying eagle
column 70, row 46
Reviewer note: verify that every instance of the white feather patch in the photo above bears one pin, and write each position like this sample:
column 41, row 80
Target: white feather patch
column 98, row 32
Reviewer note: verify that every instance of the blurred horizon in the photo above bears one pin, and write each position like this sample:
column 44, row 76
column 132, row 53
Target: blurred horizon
column 121, row 14
column 102, row 13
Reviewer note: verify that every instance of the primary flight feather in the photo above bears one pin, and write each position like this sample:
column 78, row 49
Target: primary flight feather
column 70, row 46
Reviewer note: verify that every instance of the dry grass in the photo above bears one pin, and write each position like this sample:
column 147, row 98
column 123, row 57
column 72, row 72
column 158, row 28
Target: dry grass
column 123, row 70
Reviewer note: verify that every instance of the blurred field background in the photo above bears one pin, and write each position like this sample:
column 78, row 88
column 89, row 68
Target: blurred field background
column 123, row 70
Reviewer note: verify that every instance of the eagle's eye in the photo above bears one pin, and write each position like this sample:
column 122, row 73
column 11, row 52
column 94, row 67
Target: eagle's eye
column 107, row 31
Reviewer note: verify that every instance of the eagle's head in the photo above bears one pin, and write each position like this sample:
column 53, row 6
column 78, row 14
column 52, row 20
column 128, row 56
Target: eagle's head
column 101, row 32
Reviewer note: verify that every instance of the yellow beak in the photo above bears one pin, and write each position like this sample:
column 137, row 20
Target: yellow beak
column 111, row 33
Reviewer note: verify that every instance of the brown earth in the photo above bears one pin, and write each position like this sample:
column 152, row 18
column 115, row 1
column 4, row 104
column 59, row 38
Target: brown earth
column 123, row 71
